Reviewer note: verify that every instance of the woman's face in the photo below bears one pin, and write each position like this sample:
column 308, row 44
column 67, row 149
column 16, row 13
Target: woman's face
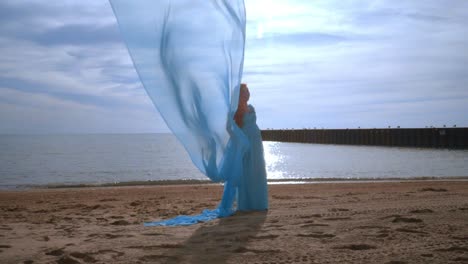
column 244, row 94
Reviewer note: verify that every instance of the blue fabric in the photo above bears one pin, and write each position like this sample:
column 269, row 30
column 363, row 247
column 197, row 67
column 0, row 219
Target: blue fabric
column 185, row 220
column 252, row 189
column 189, row 57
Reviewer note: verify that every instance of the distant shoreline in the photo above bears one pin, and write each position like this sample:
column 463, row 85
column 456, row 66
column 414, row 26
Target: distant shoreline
column 208, row 182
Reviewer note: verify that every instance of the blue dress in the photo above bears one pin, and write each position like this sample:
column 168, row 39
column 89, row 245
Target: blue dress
column 168, row 43
column 253, row 190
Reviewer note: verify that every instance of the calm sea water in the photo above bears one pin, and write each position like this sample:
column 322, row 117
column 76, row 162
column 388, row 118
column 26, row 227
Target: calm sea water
column 109, row 158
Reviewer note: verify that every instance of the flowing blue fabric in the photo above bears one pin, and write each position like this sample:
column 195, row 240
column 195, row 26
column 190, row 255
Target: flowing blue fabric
column 189, row 56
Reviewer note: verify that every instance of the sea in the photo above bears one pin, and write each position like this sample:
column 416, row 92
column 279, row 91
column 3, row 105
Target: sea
column 94, row 159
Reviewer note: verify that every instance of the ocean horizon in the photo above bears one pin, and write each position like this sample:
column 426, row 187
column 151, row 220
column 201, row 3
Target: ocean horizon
column 158, row 158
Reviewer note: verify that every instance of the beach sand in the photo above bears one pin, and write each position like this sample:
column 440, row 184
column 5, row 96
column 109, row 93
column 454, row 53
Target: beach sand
column 380, row 222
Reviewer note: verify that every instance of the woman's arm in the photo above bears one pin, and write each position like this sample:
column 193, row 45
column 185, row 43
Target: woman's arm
column 238, row 118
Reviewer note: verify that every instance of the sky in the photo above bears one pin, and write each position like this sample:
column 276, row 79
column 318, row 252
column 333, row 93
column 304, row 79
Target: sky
column 327, row 64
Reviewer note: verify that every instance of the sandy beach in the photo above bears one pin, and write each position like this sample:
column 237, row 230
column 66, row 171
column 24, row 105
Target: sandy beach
column 380, row 222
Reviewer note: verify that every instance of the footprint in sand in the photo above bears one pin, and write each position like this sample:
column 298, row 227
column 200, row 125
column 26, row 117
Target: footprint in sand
column 356, row 247
column 155, row 234
column 433, row 190
column 310, row 216
column 274, row 226
column 108, row 200
column 460, row 237
column 422, row 211
column 313, row 197
column 5, row 227
column 152, row 247
column 120, row 222
column 86, row 257
column 338, row 210
column 109, row 253
column 375, row 230
column 67, row 260
column 370, row 227
column 112, row 236
column 291, row 259
column 453, row 249
column 169, row 246
column 401, row 219
column 164, row 258
column 390, row 216
column 13, row 209
column 94, row 207
column 267, row 237
column 313, row 225
column 283, row 197
column 406, row 230
column 256, row 251
column 317, row 235
column 44, row 238
column 55, row 252
column 337, row 218
column 135, row 203
column 382, row 234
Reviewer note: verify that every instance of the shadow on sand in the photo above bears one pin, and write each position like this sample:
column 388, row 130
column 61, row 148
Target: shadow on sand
column 216, row 243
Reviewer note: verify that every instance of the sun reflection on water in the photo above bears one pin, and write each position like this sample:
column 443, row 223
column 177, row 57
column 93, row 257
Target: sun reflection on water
column 274, row 160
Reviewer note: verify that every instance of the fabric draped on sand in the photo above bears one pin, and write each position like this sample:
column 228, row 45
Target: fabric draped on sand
column 189, row 57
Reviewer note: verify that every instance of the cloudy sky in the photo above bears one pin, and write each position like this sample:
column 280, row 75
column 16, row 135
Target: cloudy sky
column 331, row 64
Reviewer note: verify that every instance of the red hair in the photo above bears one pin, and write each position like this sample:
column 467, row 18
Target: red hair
column 241, row 108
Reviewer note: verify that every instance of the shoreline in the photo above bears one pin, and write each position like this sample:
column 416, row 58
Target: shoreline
column 27, row 187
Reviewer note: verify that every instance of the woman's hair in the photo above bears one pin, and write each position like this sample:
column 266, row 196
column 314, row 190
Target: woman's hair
column 244, row 92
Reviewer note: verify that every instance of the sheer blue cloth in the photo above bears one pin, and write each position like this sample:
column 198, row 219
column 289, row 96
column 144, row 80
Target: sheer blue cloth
column 189, row 57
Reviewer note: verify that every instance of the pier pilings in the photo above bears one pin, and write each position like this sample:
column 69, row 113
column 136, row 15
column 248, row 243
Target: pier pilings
column 451, row 138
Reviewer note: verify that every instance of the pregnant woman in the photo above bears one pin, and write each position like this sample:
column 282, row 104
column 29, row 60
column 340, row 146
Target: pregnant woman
column 191, row 67
column 252, row 189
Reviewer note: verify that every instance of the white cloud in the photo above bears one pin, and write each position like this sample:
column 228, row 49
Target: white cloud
column 405, row 57
column 23, row 112
column 308, row 63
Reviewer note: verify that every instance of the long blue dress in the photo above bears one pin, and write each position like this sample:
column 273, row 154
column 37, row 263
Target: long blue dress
column 253, row 189
column 191, row 67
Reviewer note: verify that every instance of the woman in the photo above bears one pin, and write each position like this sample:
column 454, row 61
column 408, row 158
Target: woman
column 252, row 190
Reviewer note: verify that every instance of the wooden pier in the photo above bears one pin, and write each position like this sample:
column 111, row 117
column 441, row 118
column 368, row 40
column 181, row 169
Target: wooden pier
column 452, row 138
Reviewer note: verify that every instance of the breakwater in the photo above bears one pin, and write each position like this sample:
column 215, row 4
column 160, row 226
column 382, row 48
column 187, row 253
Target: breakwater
column 456, row 138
